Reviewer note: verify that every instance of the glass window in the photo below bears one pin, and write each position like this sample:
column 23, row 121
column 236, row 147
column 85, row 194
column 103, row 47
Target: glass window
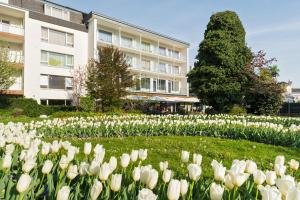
column 175, row 70
column 129, row 60
column 56, row 82
column 146, row 46
column 66, row 15
column 175, row 86
column 145, row 83
column 70, row 39
column 162, row 67
column 44, row 81
column 57, row 37
column 154, row 85
column 70, row 60
column 175, row 54
column 162, row 51
column 126, row 41
column 105, row 36
column 146, row 64
column 56, row 12
column 44, row 57
column 44, row 102
column 56, row 59
column 45, row 34
column 69, row 83
column 47, row 10
column 56, row 102
column 161, row 84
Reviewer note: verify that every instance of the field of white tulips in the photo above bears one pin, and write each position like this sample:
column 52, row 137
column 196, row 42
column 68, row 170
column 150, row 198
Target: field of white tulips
column 276, row 130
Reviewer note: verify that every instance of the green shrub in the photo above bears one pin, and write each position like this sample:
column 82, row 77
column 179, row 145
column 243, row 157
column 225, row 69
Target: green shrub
column 237, row 110
column 29, row 106
column 87, row 104
column 62, row 114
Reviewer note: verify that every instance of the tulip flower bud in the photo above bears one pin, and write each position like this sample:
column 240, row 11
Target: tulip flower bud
column 185, row 155
column 269, row 193
column 194, row 171
column 197, row 159
column 143, row 153
column 280, row 169
column 228, row 182
column 146, row 194
column 72, row 172
column 279, row 160
column 259, row 177
column 134, row 155
column 83, row 168
column 251, row 166
column 271, row 177
column 63, row 193
column 96, row 190
column 23, row 183
column 285, row 183
column 87, row 148
column 115, row 183
column 163, row 165
column 294, row 165
column 47, row 167
column 167, row 176
column 104, row 171
column 216, row 191
column 64, row 162
column 184, row 186
column 113, row 162
column 28, row 165
column 173, row 192
column 7, row 161
column 136, row 174
column 125, row 159
column 153, row 178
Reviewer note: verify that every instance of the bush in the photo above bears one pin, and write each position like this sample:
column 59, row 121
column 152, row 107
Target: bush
column 237, row 110
column 73, row 114
column 29, row 106
column 87, row 104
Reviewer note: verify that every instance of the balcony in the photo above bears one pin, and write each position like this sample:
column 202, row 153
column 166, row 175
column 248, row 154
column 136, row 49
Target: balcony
column 11, row 33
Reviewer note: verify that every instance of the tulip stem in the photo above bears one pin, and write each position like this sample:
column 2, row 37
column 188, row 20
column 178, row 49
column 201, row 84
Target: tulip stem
column 256, row 197
column 191, row 190
column 234, row 193
column 41, row 182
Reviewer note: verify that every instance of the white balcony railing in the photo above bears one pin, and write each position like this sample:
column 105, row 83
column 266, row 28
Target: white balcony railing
column 15, row 57
column 8, row 28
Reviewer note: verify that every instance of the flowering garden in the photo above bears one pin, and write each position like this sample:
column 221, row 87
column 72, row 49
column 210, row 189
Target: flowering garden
column 173, row 157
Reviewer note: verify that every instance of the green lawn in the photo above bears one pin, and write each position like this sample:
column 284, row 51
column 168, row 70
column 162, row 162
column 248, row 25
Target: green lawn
column 169, row 148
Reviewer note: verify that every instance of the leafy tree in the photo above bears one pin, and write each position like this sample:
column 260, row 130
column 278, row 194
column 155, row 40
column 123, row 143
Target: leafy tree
column 263, row 93
column 222, row 56
column 78, row 85
column 7, row 69
column 108, row 78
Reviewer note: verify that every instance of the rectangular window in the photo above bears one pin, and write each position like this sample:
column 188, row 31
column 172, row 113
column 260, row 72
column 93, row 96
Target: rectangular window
column 105, row 36
column 56, row 82
column 162, row 51
column 57, row 37
column 69, row 83
column 56, row 59
column 57, row 12
column 154, row 85
column 145, row 83
column 175, row 69
column 146, row 64
column 44, row 81
column 129, row 60
column 175, row 86
column 146, row 46
column 162, row 68
column 175, row 54
column 126, row 41
column 161, row 84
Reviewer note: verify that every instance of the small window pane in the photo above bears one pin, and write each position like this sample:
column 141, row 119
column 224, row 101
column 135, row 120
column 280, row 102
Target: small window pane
column 57, row 37
column 146, row 64
column 44, row 34
column 145, row 83
column 162, row 51
column 44, row 57
column 161, row 84
column 146, row 46
column 68, row 82
column 56, row 12
column 47, row 10
column 56, row 82
column 70, row 39
column 126, row 41
column 105, row 36
column 56, row 59
column 44, row 81
column 70, row 60
column 162, row 68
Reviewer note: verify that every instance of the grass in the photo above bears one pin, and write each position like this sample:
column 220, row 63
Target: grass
column 168, row 148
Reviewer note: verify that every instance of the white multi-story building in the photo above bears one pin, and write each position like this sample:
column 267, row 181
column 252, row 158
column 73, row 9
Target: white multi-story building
column 47, row 41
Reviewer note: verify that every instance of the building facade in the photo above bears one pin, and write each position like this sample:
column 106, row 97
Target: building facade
column 47, row 41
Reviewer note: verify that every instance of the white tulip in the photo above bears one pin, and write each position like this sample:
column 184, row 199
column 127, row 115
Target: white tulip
column 238, row 179
column 167, row 175
column 146, row 194
column 197, row 159
column 136, row 174
column 134, row 155
column 87, row 148
column 23, row 183
column 285, row 183
column 115, row 183
column 163, row 165
column 9, row 149
column 184, row 186
column 104, row 171
column 64, row 162
column 47, row 167
column 28, row 165
column 72, row 172
column 7, row 161
column 125, row 160
column 63, row 193
column 251, row 167
column 173, row 192
column 293, row 194
column 280, row 169
column 228, row 182
column 269, row 193
column 83, row 168
column 294, row 165
column 185, row 155
column 153, row 178
column 96, row 189
column 145, row 173
column 259, row 177
column 46, row 149
column 143, row 153
column 94, row 168
column 216, row 191
column 113, row 162
column 279, row 160
column 55, row 146
column 194, row 171
column 271, row 177
column 219, row 170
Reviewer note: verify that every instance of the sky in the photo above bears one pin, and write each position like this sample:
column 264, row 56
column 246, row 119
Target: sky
column 271, row 25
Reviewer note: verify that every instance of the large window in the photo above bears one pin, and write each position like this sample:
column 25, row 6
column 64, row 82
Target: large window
column 175, row 86
column 145, row 83
column 57, row 12
column 105, row 36
column 146, row 64
column 146, row 46
column 175, row 69
column 56, row 82
column 161, row 84
column 162, row 67
column 57, row 37
column 162, row 51
column 129, row 60
column 56, row 59
column 126, row 41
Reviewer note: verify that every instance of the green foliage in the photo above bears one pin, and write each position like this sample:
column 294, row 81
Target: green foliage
column 237, row 110
column 108, row 79
column 7, row 70
column 87, row 104
column 222, row 55
column 29, row 106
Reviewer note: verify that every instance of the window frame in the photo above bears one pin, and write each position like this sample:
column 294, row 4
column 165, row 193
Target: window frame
column 64, row 65
column 101, row 31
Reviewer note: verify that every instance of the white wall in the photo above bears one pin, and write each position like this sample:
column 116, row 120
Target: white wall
column 33, row 68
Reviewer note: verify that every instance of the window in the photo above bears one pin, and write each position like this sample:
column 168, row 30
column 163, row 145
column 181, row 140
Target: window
column 154, row 85
column 162, row 68
column 175, row 86
column 44, row 102
column 57, row 60
column 4, row 1
column 146, row 64
column 129, row 60
column 69, row 83
column 56, row 82
column 175, row 69
column 44, row 81
column 57, row 12
column 126, row 41
column 161, row 84
column 145, row 83
column 146, row 46
column 57, row 37
column 175, row 54
column 162, row 51
column 105, row 36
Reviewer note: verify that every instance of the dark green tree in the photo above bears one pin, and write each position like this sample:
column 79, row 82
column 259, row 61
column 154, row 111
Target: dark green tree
column 216, row 78
column 7, row 69
column 109, row 78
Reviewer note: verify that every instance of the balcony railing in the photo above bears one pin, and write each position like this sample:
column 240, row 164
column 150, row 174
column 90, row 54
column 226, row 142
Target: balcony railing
column 15, row 57
column 8, row 28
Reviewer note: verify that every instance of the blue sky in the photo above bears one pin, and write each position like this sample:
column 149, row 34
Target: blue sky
column 271, row 25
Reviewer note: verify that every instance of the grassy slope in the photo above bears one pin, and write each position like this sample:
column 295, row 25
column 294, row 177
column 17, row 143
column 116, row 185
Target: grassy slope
column 169, row 147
